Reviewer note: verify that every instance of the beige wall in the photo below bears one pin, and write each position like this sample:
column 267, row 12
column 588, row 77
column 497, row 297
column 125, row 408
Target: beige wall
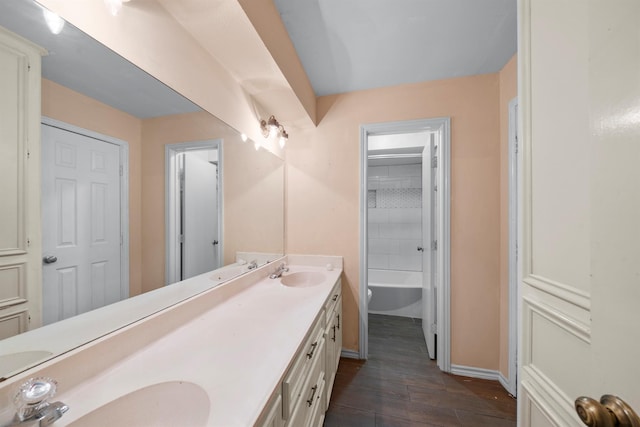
column 323, row 197
column 61, row 103
column 253, row 190
column 508, row 90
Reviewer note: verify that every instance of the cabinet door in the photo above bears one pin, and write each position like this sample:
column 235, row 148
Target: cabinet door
column 274, row 414
column 338, row 340
column 20, row 268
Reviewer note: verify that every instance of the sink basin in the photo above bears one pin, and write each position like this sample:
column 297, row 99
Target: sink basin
column 14, row 361
column 173, row 403
column 302, row 279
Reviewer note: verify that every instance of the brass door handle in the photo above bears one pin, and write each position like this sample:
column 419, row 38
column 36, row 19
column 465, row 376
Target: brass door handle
column 611, row 411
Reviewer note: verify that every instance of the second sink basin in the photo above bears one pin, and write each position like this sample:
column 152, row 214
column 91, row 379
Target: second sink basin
column 302, row 279
column 173, row 403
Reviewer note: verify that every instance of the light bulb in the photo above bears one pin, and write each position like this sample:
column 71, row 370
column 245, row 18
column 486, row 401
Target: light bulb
column 244, row 137
column 54, row 22
column 282, row 141
column 257, row 145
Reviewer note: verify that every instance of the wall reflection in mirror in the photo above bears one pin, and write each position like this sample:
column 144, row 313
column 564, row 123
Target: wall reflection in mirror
column 179, row 194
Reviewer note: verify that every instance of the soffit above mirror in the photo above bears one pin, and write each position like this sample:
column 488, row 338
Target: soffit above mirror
column 223, row 29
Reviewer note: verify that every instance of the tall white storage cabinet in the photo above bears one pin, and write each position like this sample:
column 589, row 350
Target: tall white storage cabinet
column 20, row 225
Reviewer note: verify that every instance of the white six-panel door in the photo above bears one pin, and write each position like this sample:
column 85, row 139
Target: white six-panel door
column 81, row 223
column 579, row 98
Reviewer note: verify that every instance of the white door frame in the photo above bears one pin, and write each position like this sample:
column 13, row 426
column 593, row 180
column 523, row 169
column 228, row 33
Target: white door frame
column 172, row 197
column 515, row 236
column 124, row 192
column 442, row 128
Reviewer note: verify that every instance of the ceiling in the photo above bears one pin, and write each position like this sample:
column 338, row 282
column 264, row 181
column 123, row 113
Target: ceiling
column 349, row 45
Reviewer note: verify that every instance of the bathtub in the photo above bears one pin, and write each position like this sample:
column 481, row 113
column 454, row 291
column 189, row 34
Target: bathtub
column 396, row 293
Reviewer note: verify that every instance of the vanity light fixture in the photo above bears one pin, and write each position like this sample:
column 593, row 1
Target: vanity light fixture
column 54, row 22
column 271, row 129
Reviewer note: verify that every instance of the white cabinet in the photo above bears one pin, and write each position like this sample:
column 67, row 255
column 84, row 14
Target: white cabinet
column 333, row 336
column 307, row 384
column 300, row 386
column 20, row 235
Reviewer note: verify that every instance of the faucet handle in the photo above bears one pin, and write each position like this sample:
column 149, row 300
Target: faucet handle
column 33, row 395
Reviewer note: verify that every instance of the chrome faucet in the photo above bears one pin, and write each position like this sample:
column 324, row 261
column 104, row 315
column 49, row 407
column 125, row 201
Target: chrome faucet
column 282, row 268
column 252, row 265
column 32, row 406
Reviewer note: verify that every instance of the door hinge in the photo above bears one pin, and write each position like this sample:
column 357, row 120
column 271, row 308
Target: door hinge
column 434, row 245
column 28, row 242
column 29, row 318
column 28, row 67
column 434, row 328
column 434, row 162
column 28, row 154
column 182, row 238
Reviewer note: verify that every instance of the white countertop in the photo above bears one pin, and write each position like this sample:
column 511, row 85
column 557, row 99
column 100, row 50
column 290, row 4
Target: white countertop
column 237, row 351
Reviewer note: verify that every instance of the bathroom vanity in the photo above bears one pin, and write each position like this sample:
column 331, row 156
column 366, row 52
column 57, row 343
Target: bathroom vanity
column 252, row 351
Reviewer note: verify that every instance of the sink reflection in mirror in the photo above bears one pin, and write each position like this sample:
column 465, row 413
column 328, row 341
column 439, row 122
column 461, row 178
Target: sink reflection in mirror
column 173, row 403
column 102, row 94
column 302, row 279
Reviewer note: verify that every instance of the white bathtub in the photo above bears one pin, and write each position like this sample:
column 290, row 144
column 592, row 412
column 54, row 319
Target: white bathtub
column 395, row 292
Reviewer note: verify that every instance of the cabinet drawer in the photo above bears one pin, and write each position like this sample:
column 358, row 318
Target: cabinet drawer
column 312, row 350
column 330, row 305
column 312, row 396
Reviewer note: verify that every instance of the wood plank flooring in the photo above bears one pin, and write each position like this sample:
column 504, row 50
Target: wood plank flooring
column 399, row 386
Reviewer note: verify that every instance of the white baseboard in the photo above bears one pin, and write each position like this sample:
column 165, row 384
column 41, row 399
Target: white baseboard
column 350, row 354
column 505, row 383
column 469, row 371
column 485, row 374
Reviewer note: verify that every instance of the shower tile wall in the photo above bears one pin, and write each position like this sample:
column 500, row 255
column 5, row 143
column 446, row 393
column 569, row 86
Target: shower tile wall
column 394, row 200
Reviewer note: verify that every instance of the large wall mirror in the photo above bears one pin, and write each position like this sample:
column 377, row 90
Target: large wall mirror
column 188, row 195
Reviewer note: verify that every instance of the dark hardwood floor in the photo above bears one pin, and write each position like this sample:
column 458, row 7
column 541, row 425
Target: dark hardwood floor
column 399, row 386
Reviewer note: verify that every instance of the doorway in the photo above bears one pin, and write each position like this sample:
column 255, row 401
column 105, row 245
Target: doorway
column 432, row 158
column 84, row 246
column 194, row 209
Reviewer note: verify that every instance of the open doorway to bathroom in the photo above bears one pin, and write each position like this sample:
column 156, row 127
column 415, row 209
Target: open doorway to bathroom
column 194, row 209
column 404, row 275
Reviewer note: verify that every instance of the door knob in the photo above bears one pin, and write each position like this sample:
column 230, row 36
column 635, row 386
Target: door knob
column 420, row 248
column 611, row 411
column 49, row 259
